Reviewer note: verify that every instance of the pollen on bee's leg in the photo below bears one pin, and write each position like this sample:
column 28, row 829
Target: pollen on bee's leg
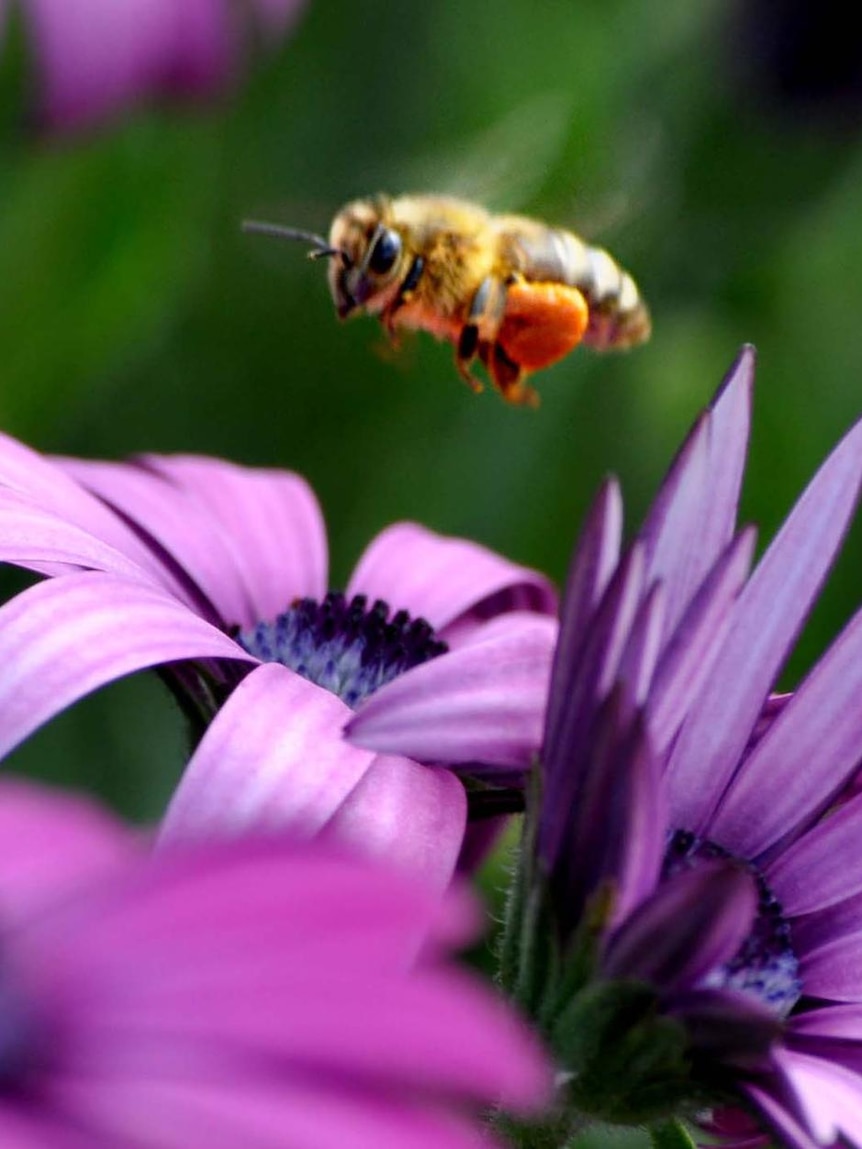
column 542, row 323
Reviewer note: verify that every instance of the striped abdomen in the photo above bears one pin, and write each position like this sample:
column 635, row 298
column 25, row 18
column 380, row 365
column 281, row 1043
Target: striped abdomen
column 619, row 317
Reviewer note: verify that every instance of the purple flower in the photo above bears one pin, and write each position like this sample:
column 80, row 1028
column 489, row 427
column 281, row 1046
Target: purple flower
column 733, row 878
column 95, row 58
column 258, row 993
column 213, row 572
column 690, row 894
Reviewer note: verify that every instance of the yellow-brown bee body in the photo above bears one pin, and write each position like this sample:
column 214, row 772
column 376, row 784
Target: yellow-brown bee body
column 508, row 290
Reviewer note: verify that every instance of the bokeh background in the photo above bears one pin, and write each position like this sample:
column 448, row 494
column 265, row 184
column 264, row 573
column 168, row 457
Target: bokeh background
column 713, row 147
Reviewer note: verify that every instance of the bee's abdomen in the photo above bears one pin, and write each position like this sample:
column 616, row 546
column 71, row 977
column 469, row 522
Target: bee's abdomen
column 619, row 317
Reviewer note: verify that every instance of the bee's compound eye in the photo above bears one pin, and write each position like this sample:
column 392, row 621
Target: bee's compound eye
column 387, row 248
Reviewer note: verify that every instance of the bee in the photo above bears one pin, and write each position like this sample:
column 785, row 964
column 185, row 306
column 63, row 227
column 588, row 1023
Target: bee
column 506, row 290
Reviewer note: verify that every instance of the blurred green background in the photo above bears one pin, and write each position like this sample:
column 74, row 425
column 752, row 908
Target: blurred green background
column 720, row 168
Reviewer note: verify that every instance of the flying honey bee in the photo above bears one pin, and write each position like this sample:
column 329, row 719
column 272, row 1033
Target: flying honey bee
column 507, row 290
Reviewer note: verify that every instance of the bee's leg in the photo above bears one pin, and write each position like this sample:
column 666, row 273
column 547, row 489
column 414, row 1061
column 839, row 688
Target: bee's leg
column 465, row 353
column 509, row 377
column 479, row 331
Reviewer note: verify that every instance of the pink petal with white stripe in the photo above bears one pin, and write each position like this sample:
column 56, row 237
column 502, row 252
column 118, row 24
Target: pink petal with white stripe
column 452, row 583
column 483, row 702
column 45, row 484
column 274, row 759
column 272, row 520
column 64, row 638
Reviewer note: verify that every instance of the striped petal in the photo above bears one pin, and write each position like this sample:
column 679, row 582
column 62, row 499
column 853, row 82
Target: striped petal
column 274, row 759
column 805, row 758
column 64, row 638
column 481, row 703
column 452, row 583
column 768, row 616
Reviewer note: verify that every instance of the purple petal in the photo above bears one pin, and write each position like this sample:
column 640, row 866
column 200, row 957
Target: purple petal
column 595, row 559
column 696, row 920
column 833, row 969
column 44, row 484
column 23, row 1129
column 832, row 1033
column 778, row 1118
column 805, row 758
column 408, row 815
column 451, row 583
column 768, row 616
column 728, row 1026
column 729, row 426
column 64, row 638
column 672, row 528
column 248, row 1108
column 182, row 536
column 830, row 1094
column 691, row 650
column 52, row 842
column 579, row 686
column 612, row 835
column 250, row 541
column 271, row 520
column 694, row 515
column 639, row 658
column 39, row 540
column 824, row 866
column 233, row 959
column 274, row 759
column 483, row 702
column 644, row 829
column 212, row 896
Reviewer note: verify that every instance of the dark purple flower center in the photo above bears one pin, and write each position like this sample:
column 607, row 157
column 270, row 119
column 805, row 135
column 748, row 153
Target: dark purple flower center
column 344, row 646
column 765, row 966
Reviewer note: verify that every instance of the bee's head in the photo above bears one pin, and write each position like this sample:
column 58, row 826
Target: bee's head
column 366, row 266
column 366, row 254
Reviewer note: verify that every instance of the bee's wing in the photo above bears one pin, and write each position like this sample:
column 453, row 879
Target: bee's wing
column 502, row 167
column 635, row 180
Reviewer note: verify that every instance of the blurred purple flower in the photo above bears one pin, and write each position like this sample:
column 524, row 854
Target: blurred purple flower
column 259, row 993
column 687, row 825
column 158, row 562
column 96, row 58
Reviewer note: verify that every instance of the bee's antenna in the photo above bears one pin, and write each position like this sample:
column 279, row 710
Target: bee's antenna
column 320, row 247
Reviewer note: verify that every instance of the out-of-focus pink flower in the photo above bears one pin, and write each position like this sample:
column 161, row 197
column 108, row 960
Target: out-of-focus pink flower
column 259, row 993
column 96, row 58
column 213, row 572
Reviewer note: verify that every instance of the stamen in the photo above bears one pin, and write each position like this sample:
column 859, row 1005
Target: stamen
column 344, row 646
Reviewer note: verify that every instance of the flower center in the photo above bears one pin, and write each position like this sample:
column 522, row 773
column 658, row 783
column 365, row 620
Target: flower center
column 344, row 646
column 765, row 966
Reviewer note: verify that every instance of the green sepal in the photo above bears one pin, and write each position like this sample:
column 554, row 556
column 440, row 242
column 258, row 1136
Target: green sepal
column 671, row 1135
column 628, row 1062
column 539, row 967
column 526, row 945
